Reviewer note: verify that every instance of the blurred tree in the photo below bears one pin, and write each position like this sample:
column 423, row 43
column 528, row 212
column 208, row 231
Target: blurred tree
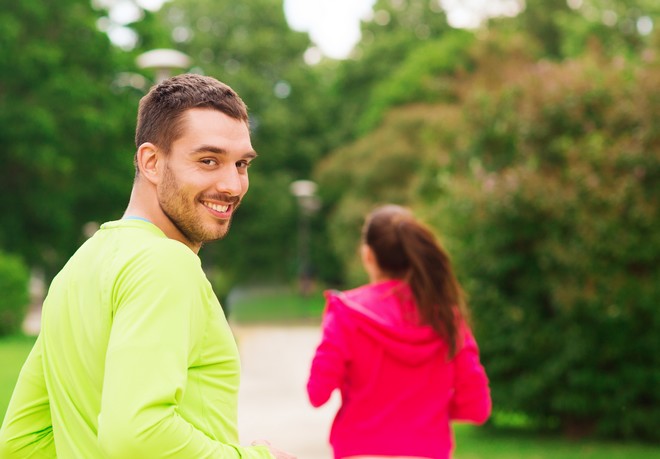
column 396, row 29
column 542, row 21
column 152, row 32
column 427, row 73
column 553, row 203
column 566, row 28
column 65, row 135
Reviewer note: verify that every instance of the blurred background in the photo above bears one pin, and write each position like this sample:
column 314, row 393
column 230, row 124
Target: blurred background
column 527, row 134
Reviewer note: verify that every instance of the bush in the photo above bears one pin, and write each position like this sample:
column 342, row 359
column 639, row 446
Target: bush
column 14, row 281
column 556, row 215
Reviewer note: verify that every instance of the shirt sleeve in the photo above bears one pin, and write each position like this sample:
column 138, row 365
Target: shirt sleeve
column 471, row 401
column 157, row 326
column 27, row 429
column 332, row 355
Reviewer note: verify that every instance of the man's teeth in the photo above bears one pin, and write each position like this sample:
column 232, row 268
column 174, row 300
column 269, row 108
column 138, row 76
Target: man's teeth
column 216, row 207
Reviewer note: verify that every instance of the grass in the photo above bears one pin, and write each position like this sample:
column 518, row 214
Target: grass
column 480, row 443
column 13, row 352
column 279, row 305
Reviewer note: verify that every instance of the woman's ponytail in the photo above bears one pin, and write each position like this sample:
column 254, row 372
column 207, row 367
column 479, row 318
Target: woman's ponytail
column 406, row 249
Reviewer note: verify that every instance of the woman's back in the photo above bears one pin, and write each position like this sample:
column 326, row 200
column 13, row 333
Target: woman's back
column 394, row 374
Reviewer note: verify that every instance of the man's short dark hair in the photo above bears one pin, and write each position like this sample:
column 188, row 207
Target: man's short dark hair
column 161, row 110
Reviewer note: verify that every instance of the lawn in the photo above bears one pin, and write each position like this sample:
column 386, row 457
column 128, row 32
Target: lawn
column 280, row 305
column 481, row 443
column 13, row 352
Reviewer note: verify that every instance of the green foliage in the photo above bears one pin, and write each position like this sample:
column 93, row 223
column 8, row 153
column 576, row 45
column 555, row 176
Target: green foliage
column 396, row 30
column 152, row 33
column 64, row 133
column 541, row 21
column 619, row 27
column 556, row 211
column 427, row 74
column 14, row 282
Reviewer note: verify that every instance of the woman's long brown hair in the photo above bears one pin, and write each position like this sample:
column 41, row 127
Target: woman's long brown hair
column 406, row 249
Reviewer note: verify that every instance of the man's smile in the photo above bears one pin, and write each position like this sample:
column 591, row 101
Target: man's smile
column 222, row 208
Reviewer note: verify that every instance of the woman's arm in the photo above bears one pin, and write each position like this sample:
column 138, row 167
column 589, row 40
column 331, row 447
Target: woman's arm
column 332, row 354
column 471, row 401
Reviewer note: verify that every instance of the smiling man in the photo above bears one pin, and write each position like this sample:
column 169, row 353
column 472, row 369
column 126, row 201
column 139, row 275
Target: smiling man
column 135, row 358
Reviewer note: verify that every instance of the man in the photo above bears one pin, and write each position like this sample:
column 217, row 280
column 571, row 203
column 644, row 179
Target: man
column 135, row 358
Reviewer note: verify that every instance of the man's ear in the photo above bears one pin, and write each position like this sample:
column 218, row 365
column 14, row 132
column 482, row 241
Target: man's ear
column 148, row 158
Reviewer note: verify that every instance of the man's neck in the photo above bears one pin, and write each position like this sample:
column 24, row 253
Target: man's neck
column 144, row 205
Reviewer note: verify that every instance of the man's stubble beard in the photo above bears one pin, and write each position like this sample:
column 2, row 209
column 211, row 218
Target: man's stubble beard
column 183, row 214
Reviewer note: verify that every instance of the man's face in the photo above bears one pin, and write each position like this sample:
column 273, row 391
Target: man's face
column 205, row 175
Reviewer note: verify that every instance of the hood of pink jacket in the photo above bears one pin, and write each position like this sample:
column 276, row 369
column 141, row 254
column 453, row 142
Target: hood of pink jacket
column 386, row 312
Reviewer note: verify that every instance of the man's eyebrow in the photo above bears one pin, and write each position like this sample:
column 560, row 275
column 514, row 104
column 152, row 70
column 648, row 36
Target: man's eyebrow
column 220, row 151
column 209, row 149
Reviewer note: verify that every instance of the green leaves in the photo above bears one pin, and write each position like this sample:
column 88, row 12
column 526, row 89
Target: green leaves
column 59, row 125
column 563, row 242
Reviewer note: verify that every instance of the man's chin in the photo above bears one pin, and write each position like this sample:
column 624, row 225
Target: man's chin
column 218, row 234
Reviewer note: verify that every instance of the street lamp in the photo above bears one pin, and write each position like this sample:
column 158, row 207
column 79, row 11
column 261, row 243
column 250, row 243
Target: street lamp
column 163, row 61
column 308, row 204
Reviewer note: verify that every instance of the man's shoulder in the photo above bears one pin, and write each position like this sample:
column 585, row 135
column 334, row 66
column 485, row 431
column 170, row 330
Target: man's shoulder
column 136, row 239
column 162, row 265
column 143, row 254
column 166, row 248
column 164, row 255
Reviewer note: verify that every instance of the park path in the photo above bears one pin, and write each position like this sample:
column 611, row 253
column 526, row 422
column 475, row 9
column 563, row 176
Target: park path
column 273, row 403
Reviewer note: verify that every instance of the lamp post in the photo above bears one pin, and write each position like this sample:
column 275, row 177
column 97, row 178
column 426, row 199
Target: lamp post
column 163, row 61
column 308, row 204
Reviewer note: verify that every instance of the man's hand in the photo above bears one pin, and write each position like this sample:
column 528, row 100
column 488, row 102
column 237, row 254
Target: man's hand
column 277, row 454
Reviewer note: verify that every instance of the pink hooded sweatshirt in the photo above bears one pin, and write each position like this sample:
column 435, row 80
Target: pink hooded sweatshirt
column 399, row 390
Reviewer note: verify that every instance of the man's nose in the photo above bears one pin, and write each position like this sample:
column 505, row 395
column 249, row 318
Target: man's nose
column 229, row 181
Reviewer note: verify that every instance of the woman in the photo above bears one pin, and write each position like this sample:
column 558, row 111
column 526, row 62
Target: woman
column 399, row 349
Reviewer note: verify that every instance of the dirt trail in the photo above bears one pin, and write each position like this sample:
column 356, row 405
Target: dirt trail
column 273, row 403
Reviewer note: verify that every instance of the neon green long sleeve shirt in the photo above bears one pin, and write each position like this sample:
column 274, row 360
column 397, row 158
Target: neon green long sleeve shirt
column 135, row 358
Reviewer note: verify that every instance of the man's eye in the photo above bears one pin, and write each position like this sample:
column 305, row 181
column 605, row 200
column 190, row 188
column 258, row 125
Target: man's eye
column 210, row 162
column 243, row 164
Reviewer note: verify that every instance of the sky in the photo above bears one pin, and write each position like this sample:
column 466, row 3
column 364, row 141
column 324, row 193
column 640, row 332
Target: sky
column 334, row 25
